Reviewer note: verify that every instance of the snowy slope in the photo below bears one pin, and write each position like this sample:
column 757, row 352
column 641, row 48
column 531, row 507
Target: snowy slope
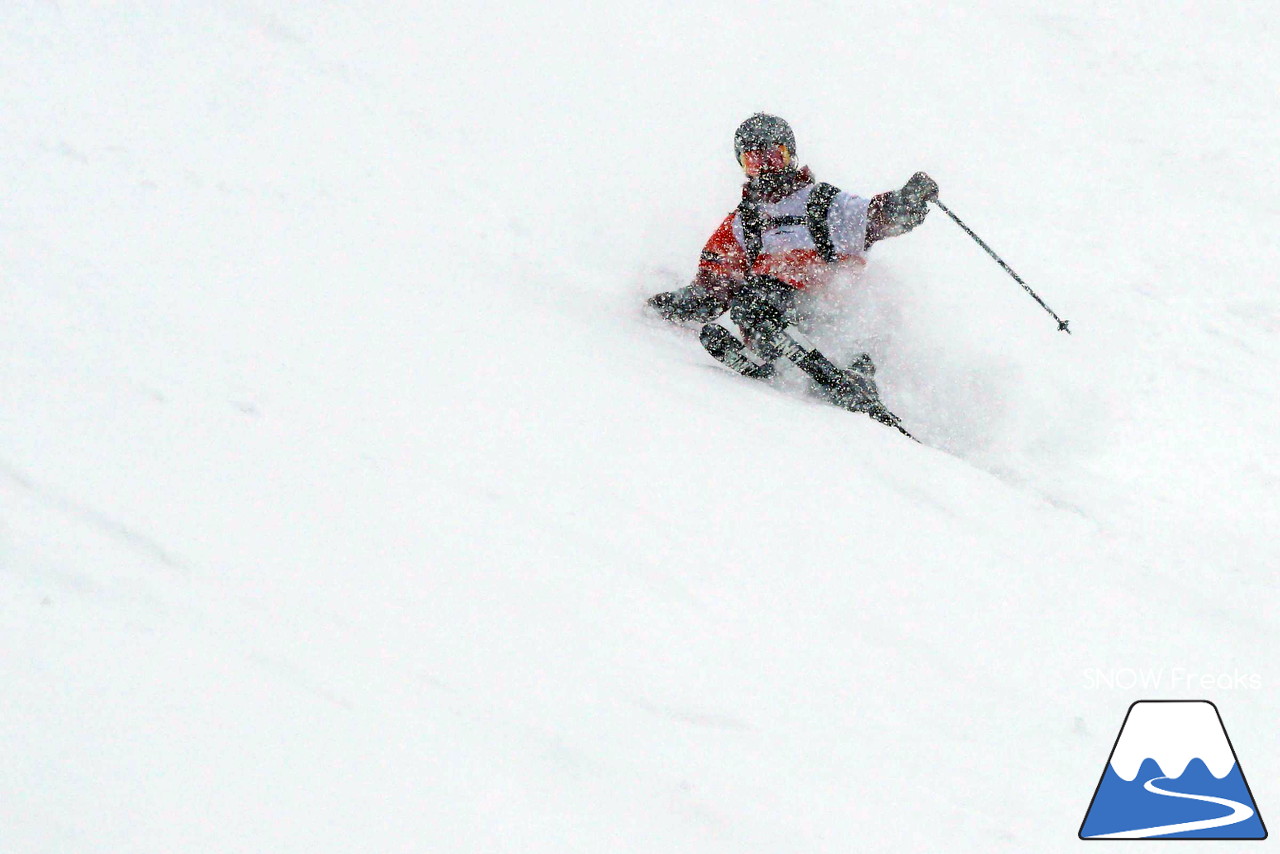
column 351, row 503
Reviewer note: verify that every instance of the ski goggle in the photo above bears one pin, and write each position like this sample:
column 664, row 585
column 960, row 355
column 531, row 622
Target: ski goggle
column 772, row 159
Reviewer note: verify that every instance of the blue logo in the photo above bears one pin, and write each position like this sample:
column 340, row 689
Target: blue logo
column 1173, row 774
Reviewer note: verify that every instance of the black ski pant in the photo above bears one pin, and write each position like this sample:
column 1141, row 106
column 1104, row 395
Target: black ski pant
column 765, row 310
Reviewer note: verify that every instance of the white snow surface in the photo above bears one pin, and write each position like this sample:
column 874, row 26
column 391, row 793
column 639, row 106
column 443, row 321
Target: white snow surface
column 350, row 502
column 1172, row 734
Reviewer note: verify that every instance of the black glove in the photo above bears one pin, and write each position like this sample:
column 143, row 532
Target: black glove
column 691, row 303
column 912, row 201
column 920, row 189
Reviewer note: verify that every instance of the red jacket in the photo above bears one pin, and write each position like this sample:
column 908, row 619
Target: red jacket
column 788, row 252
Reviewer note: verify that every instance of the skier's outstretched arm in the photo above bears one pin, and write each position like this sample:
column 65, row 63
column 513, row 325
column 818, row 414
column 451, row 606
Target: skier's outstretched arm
column 898, row 211
column 721, row 269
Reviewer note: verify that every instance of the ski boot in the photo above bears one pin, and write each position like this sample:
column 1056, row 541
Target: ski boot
column 856, row 391
column 854, row 388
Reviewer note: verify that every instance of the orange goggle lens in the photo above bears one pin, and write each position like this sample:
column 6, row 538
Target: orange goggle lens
column 767, row 159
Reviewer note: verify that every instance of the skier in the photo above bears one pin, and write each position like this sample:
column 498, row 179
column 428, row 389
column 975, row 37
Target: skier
column 789, row 234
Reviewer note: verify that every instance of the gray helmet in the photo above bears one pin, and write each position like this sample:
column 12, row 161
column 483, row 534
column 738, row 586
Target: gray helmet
column 763, row 131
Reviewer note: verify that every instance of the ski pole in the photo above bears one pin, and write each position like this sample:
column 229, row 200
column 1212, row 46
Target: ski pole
column 1062, row 324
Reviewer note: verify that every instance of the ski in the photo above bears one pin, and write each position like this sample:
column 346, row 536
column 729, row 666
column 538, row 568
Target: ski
column 729, row 350
column 884, row 416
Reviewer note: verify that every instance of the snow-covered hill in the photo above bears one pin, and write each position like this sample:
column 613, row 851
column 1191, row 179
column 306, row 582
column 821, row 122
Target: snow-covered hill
column 350, row 502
